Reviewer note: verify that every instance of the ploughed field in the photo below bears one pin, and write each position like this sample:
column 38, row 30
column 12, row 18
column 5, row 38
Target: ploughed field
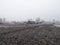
column 30, row 35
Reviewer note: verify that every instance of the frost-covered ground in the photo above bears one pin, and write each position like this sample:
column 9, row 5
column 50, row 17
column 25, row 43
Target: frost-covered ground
column 30, row 35
column 57, row 25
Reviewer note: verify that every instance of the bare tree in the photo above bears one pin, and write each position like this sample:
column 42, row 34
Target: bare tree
column 37, row 20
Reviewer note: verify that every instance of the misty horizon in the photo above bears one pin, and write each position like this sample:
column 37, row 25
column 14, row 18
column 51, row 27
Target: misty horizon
column 21, row 10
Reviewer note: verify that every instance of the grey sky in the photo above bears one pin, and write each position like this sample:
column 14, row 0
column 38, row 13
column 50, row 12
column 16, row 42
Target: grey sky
column 21, row 10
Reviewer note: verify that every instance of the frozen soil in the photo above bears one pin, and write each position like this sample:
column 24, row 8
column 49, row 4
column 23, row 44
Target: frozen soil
column 33, row 35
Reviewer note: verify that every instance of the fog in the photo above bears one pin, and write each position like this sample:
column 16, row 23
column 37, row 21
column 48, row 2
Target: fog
column 21, row 10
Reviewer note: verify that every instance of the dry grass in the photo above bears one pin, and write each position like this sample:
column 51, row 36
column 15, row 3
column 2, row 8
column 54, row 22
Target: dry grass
column 30, row 35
